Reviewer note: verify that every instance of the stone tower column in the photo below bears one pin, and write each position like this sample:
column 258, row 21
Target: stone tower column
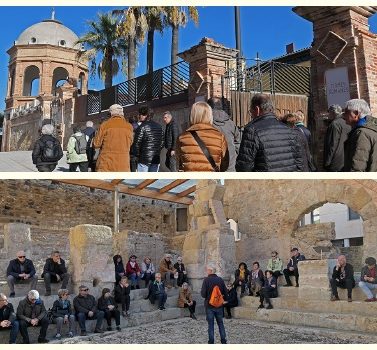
column 343, row 57
column 210, row 240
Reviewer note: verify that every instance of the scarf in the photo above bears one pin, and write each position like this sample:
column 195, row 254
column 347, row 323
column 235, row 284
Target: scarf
column 242, row 274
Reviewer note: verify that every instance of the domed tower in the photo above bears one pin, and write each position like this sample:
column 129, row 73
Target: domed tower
column 42, row 59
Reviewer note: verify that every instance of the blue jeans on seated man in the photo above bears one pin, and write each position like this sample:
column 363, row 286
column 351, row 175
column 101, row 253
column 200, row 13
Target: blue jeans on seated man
column 148, row 168
column 14, row 328
column 135, row 280
column 218, row 314
column 82, row 317
column 367, row 288
column 161, row 299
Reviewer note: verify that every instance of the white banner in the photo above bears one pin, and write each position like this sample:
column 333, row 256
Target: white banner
column 337, row 86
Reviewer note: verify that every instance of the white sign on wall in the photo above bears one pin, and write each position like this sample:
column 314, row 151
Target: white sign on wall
column 337, row 86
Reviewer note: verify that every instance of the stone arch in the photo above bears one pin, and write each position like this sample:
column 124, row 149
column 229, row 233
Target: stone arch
column 59, row 76
column 31, row 81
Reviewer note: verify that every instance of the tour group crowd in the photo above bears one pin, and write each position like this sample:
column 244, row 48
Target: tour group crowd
column 31, row 311
column 213, row 142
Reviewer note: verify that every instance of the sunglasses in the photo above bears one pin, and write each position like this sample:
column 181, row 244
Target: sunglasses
column 22, row 257
column 84, row 290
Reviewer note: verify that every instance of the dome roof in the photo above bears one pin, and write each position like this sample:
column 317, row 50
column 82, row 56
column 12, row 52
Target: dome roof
column 50, row 32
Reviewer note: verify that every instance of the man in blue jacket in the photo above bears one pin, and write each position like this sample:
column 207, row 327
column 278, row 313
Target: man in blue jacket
column 292, row 267
column 21, row 270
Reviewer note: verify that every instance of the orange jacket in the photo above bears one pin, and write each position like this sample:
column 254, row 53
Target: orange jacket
column 114, row 138
column 190, row 155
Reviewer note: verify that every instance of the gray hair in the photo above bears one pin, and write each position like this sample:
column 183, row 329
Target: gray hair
column 358, row 105
column 211, row 268
column 61, row 292
column 89, row 124
column 116, row 110
column 335, row 109
column 168, row 114
column 33, row 294
column 47, row 129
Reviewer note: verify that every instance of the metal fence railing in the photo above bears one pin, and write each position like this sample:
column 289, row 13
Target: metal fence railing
column 161, row 83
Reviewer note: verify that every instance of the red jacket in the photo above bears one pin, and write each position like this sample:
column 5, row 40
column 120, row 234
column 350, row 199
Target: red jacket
column 130, row 270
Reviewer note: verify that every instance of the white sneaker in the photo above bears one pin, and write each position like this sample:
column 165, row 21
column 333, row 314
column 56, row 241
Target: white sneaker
column 58, row 336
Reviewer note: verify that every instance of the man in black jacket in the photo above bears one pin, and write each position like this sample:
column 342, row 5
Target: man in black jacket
column 292, row 267
column 212, row 312
column 342, row 277
column 55, row 271
column 267, row 144
column 86, row 308
column 336, row 135
column 8, row 318
column 171, row 136
column 148, row 142
column 21, row 270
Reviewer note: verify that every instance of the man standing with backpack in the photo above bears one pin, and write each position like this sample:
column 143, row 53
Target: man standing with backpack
column 47, row 150
column 215, row 294
column 76, row 151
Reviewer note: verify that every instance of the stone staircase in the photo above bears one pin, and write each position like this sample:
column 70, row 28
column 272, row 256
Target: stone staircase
column 141, row 310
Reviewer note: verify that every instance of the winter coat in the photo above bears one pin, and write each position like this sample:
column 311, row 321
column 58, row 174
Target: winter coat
column 144, row 268
column 278, row 266
column 348, row 269
column 190, row 155
column 223, row 123
column 267, row 286
column 119, row 268
column 307, row 159
column 269, row 145
column 25, row 310
column 103, row 303
column 171, row 135
column 336, row 135
column 85, row 304
column 165, row 267
column 232, row 297
column 120, row 292
column 14, row 268
column 361, row 147
column 185, row 296
column 293, row 262
column 365, row 271
column 130, row 270
column 148, row 143
column 306, row 132
column 114, row 138
column 155, row 289
column 72, row 156
column 38, row 149
column 58, row 309
column 208, row 284
column 179, row 267
column 54, row 268
column 237, row 275
column 8, row 313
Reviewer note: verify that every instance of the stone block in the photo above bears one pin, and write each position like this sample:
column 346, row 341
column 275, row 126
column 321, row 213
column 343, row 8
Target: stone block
column 17, row 237
column 200, row 208
column 208, row 190
column 203, row 222
column 217, row 210
column 306, row 292
column 192, row 241
column 313, row 267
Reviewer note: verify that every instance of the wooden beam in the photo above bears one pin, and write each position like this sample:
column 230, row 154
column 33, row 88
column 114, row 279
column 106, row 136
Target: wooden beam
column 186, row 192
column 144, row 184
column 117, row 181
column 100, row 184
column 172, row 185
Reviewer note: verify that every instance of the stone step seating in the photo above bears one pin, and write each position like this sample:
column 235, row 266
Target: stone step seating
column 289, row 309
column 141, row 310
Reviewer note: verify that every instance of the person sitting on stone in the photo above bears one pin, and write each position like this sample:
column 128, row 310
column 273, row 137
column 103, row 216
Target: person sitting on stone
column 292, row 267
column 185, row 299
column 369, row 279
column 181, row 270
column 21, row 270
column 232, row 299
column 342, row 277
column 269, row 290
column 122, row 295
column 168, row 271
column 119, row 268
column 157, row 292
column 241, row 277
column 55, row 271
column 275, row 264
column 106, row 303
column 32, row 312
column 256, row 280
column 86, row 308
column 147, row 271
column 133, row 272
column 62, row 312
column 8, row 319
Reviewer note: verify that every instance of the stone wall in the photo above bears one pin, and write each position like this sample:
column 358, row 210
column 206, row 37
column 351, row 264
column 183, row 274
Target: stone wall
column 354, row 256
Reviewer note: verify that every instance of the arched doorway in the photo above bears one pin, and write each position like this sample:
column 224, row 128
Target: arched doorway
column 31, row 81
column 59, row 77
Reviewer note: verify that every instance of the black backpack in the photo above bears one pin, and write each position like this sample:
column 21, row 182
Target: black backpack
column 51, row 151
column 81, row 144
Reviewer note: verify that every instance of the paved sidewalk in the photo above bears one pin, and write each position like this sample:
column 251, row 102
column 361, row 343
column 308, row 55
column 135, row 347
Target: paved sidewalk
column 21, row 161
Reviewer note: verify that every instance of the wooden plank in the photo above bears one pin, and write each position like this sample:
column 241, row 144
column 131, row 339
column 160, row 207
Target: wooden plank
column 144, row 184
column 172, row 185
column 187, row 192
column 117, row 181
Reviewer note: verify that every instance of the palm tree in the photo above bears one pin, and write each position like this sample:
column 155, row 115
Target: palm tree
column 102, row 40
column 176, row 17
column 133, row 26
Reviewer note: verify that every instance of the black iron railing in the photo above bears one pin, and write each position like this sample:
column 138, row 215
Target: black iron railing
column 161, row 83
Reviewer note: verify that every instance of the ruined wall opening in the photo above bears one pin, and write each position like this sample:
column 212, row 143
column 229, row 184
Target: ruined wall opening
column 59, row 77
column 31, row 81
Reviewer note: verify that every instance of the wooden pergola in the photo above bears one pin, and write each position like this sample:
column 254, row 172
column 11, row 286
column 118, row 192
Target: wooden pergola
column 144, row 189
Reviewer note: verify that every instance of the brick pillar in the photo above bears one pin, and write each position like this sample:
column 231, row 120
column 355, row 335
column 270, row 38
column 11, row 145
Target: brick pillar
column 343, row 53
column 208, row 63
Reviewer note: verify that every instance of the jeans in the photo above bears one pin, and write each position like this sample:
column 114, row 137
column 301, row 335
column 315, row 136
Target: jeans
column 170, row 161
column 151, row 168
column 83, row 166
column 12, row 281
column 135, row 279
column 81, row 317
column 14, row 328
column 345, row 284
column 367, row 288
column 237, row 284
column 161, row 299
column 43, row 323
column 48, row 278
column 147, row 278
column 266, row 293
column 109, row 314
column 217, row 313
column 59, row 323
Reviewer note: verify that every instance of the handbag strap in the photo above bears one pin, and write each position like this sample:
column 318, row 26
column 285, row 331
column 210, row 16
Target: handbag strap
column 205, row 150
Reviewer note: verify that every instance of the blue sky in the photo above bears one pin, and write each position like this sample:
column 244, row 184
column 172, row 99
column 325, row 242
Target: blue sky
column 265, row 29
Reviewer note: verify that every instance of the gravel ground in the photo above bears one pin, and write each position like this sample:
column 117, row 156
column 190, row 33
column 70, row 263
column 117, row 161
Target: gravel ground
column 187, row 331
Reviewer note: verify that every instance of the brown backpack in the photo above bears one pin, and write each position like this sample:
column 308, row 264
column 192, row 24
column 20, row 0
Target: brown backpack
column 216, row 299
